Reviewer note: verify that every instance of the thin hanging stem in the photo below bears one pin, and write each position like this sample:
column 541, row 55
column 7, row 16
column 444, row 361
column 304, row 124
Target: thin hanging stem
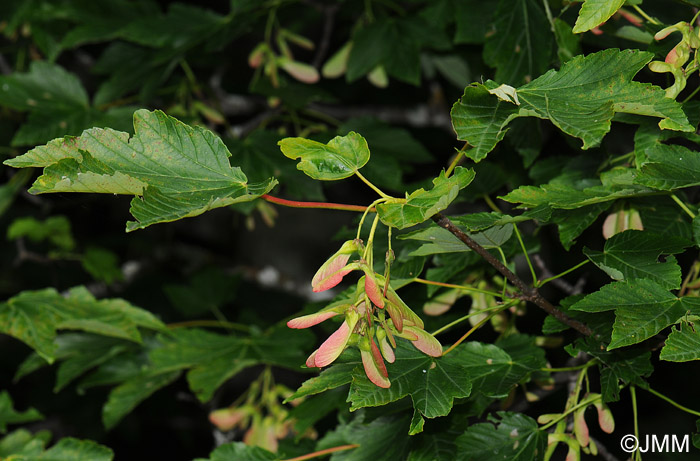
column 364, row 215
column 462, row 319
column 683, row 206
column 319, row 453
column 459, row 287
column 372, row 186
column 633, row 393
column 479, row 325
column 527, row 257
column 672, row 402
column 554, row 277
column 456, row 160
column 645, row 16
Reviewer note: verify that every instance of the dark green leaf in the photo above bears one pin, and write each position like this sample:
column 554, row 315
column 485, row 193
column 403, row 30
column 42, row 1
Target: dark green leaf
column 55, row 229
column 23, row 444
column 102, row 264
column 515, row 437
column 520, row 46
column 241, row 452
column 432, row 383
column 34, row 316
column 72, row 449
column 670, row 167
column 642, row 309
column 682, row 344
column 634, row 254
column 213, row 358
column 383, row 439
column 9, row 415
column 443, row 241
column 480, row 119
column 125, row 397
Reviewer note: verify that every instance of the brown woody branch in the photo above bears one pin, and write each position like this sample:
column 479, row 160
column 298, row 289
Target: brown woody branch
column 528, row 293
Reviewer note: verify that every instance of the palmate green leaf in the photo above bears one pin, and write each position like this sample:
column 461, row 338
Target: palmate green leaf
column 213, row 358
column 333, row 377
column 595, row 12
column 9, row 415
column 383, row 439
column 481, row 119
column 125, row 397
column 55, row 229
column 71, row 449
column 23, row 443
column 670, row 167
column 634, row 254
column 493, row 371
column 342, row 157
column 567, row 194
column 78, row 353
column 512, row 436
column 174, row 170
column 520, row 47
column 432, row 383
column 9, row 190
column 580, row 99
column 56, row 101
column 571, row 223
column 420, row 205
column 642, row 309
column 682, row 345
column 240, row 452
column 34, row 316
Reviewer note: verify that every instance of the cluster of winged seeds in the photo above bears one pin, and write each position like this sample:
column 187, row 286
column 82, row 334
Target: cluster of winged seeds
column 366, row 324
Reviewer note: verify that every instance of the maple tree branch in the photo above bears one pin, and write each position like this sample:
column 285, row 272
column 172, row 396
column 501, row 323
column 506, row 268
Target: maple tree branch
column 529, row 293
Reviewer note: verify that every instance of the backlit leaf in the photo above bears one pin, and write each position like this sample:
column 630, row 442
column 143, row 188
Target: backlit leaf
column 34, row 316
column 595, row 12
column 340, row 158
column 175, row 170
column 420, row 205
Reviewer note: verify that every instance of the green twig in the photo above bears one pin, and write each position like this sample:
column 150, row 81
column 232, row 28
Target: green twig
column 527, row 257
column 479, row 325
column 554, row 277
column 458, row 287
column 672, row 402
column 462, row 319
column 683, row 206
column 633, row 393
column 646, row 16
column 372, row 186
column 456, row 160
